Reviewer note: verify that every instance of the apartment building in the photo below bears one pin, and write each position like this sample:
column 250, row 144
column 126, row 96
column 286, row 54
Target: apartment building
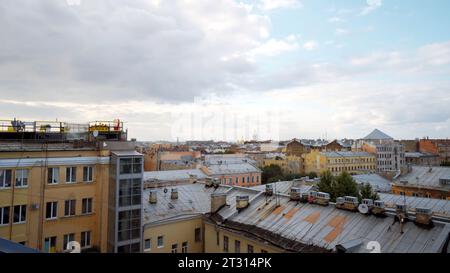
column 338, row 162
column 440, row 147
column 390, row 154
column 55, row 189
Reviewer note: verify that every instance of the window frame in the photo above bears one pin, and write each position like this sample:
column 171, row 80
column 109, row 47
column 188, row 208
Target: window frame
column 21, row 213
column 53, row 176
column 149, row 248
column 72, row 175
column 160, row 238
column 53, row 210
column 2, row 216
column 87, row 206
column 84, row 238
column 68, row 240
column 22, row 178
column 72, row 207
column 3, row 180
column 88, row 174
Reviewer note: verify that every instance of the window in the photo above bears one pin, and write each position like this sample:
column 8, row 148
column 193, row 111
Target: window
column 87, row 173
column 147, row 244
column 53, row 175
column 71, row 174
column 237, row 246
column 51, row 210
column 69, row 207
column 5, row 178
column 184, row 247
column 174, row 248
column 20, row 213
column 225, row 243
column 250, row 249
column 263, row 251
column 50, row 244
column 130, row 248
column 130, row 192
column 198, row 235
column 22, row 178
column 129, row 225
column 86, row 206
column 415, row 194
column 4, row 215
column 85, row 239
column 217, row 238
column 130, row 165
column 68, row 238
column 160, row 241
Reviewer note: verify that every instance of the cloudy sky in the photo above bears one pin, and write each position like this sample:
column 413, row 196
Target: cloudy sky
column 224, row 69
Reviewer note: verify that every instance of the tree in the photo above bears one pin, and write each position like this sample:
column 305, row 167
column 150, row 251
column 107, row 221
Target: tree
column 326, row 183
column 345, row 185
column 312, row 175
column 271, row 171
column 367, row 192
column 445, row 164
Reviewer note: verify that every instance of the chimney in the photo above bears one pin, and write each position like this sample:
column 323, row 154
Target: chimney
column 152, row 197
column 174, row 194
column 269, row 189
column 242, row 201
column 218, row 200
column 192, row 178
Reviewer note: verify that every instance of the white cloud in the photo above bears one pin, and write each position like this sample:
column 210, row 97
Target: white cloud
column 274, row 47
column 341, row 31
column 335, row 19
column 372, row 5
column 276, row 4
column 310, row 45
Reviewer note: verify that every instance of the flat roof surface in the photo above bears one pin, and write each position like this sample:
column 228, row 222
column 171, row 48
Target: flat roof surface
column 426, row 177
column 174, row 175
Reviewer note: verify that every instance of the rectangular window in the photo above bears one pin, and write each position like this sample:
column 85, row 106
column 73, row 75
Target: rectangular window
column 50, row 244
column 250, row 249
column 225, row 243
column 86, row 206
column 5, row 178
column 22, row 178
column 237, row 246
column 174, row 248
column 69, row 207
column 160, row 241
column 53, row 175
column 263, row 251
column 184, row 247
column 129, row 225
column 217, row 238
column 20, row 213
column 4, row 215
column 87, row 174
column 198, row 235
column 51, row 210
column 147, row 244
column 85, row 239
column 71, row 174
column 68, row 238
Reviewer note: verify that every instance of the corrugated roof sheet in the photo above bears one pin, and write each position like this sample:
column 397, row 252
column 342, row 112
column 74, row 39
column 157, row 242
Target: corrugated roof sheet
column 377, row 182
column 426, row 177
column 173, row 175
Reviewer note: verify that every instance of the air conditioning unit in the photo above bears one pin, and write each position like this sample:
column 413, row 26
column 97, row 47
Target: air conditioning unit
column 242, row 201
column 35, row 206
column 295, row 194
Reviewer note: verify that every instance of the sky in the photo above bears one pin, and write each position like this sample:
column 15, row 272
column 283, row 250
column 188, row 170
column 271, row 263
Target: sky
column 230, row 70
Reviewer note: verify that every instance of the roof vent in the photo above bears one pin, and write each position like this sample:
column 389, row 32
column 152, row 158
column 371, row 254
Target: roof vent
column 174, row 194
column 242, row 201
column 269, row 189
column 216, row 182
column 152, row 197
column 348, row 203
column 423, row 216
column 295, row 194
column 218, row 200
column 368, row 202
column 208, row 182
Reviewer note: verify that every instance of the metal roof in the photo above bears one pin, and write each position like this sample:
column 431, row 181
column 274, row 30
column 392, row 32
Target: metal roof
column 377, row 135
column 377, row 182
column 422, row 176
column 173, row 175
column 223, row 169
column 7, row 246
column 328, row 227
column 346, row 154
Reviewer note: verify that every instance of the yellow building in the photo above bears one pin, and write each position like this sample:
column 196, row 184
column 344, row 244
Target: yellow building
column 337, row 162
column 288, row 164
column 54, row 191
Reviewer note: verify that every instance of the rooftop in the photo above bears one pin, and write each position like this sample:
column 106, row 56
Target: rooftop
column 235, row 168
column 174, row 175
column 377, row 135
column 377, row 182
column 428, row 177
column 346, row 154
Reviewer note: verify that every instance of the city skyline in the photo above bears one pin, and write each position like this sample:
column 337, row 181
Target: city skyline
column 320, row 68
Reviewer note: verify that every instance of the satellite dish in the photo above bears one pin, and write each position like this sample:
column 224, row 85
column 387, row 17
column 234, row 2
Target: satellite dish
column 165, row 190
column 95, row 133
column 363, row 208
